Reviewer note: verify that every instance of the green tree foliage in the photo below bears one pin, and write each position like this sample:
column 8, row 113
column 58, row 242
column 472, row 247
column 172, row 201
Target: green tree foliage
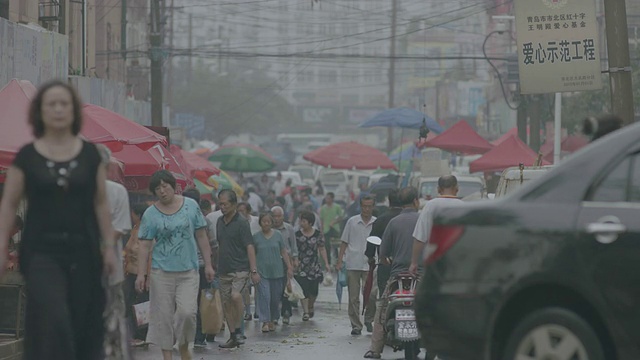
column 236, row 101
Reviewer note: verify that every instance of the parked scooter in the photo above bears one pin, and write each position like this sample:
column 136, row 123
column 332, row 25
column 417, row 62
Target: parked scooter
column 401, row 327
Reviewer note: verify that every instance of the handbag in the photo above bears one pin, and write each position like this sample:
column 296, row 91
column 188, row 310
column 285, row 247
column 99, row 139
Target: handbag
column 141, row 313
column 211, row 314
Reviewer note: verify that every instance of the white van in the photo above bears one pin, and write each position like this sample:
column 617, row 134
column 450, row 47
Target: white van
column 514, row 178
column 342, row 183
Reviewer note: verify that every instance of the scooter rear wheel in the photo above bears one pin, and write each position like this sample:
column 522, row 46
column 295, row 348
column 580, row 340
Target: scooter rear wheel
column 411, row 350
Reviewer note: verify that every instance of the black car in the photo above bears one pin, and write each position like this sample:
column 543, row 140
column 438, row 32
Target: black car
column 551, row 272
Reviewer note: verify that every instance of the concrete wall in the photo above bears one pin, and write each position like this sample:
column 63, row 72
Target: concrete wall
column 29, row 52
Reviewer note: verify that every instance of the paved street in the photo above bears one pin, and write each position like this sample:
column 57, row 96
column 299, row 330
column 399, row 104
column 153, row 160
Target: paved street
column 325, row 337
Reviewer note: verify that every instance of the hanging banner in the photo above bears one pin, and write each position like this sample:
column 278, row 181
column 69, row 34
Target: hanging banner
column 558, row 47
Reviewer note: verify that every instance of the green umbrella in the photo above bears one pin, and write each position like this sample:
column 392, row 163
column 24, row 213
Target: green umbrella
column 202, row 187
column 224, row 181
column 242, row 158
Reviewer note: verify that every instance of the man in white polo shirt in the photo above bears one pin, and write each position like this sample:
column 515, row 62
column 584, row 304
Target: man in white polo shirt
column 354, row 243
column 448, row 195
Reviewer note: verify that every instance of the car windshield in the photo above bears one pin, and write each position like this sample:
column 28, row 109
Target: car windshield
column 333, row 178
column 429, row 189
column 305, row 173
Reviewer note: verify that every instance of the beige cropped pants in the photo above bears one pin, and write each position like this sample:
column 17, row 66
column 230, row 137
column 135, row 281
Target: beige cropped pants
column 173, row 307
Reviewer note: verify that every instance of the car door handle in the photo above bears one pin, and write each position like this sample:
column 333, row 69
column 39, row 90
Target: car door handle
column 606, row 228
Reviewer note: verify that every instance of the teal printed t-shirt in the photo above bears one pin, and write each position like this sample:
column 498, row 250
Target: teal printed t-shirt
column 176, row 247
column 268, row 255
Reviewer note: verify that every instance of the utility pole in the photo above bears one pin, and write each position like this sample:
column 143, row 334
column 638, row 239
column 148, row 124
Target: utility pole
column 170, row 64
column 190, row 63
column 522, row 118
column 392, row 70
column 615, row 14
column 156, row 64
column 535, row 112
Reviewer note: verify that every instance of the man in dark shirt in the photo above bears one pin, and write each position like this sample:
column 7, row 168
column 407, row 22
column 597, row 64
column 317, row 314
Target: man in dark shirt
column 236, row 263
column 378, row 230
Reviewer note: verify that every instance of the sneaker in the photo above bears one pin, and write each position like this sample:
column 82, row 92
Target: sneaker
column 255, row 316
column 272, row 326
column 356, row 332
column 369, row 327
column 230, row 344
column 285, row 320
column 275, row 322
column 265, row 327
column 247, row 317
column 200, row 343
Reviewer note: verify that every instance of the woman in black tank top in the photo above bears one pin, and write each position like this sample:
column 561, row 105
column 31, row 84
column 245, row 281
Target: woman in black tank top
column 61, row 254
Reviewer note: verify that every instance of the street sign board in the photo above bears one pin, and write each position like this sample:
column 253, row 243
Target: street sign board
column 558, row 47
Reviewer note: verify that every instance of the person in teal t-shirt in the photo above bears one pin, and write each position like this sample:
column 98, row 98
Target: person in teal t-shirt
column 270, row 250
column 178, row 228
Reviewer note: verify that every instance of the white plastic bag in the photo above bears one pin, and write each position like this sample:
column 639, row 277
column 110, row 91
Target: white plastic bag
column 328, row 279
column 294, row 291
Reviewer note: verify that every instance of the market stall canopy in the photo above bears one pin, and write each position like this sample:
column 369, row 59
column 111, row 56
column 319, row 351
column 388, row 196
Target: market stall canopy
column 403, row 117
column 242, row 158
column 501, row 139
column 461, row 137
column 510, row 152
column 114, row 130
column 569, row 144
column 140, row 164
column 194, row 165
column 15, row 131
column 350, row 155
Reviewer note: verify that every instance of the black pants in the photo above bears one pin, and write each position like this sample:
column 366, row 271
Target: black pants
column 65, row 305
column 384, row 272
column 132, row 297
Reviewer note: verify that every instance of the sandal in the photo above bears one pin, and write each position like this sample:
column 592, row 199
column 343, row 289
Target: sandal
column 371, row 355
column 305, row 317
column 265, row 327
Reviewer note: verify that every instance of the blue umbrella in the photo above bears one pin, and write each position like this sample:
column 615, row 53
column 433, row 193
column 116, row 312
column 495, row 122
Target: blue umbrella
column 403, row 118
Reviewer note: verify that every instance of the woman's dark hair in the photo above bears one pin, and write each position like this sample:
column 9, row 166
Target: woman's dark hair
column 601, row 126
column 35, row 111
column 309, row 216
column 205, row 204
column 192, row 194
column 160, row 176
column 139, row 209
column 264, row 215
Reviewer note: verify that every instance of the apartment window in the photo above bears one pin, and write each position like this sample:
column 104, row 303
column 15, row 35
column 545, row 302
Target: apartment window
column 4, row 9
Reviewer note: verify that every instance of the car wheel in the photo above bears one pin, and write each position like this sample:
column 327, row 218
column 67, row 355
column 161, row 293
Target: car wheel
column 553, row 333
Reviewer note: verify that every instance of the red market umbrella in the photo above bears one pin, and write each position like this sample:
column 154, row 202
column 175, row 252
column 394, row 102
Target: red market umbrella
column 350, row 155
column 569, row 144
column 114, row 130
column 461, row 137
column 15, row 99
column 194, row 165
column 510, row 152
column 140, row 164
column 115, row 171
